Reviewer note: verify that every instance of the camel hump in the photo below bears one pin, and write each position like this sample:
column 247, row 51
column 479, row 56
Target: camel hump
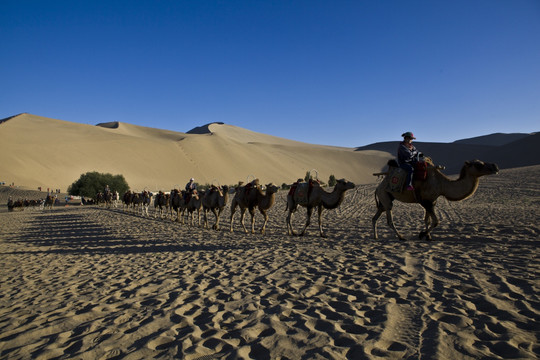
column 300, row 192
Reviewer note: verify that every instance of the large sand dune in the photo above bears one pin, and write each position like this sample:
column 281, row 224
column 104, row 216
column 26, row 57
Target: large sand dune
column 91, row 283
column 37, row 151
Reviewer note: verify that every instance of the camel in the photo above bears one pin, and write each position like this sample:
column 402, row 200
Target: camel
column 214, row 199
column 194, row 204
column 146, row 199
column 245, row 197
column 107, row 198
column 265, row 201
column 176, row 202
column 427, row 191
column 127, row 200
column 318, row 198
column 161, row 204
column 49, row 201
column 135, row 201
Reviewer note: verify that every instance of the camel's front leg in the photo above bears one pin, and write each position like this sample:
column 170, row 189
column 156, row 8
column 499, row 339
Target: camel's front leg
column 319, row 210
column 308, row 219
column 265, row 215
column 205, row 219
column 216, row 214
column 430, row 219
column 233, row 210
column 252, row 213
column 242, row 217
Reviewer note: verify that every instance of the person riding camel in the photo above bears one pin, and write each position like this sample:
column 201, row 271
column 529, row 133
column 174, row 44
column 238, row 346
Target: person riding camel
column 191, row 186
column 407, row 157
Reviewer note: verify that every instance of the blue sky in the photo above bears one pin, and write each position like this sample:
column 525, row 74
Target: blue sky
column 344, row 73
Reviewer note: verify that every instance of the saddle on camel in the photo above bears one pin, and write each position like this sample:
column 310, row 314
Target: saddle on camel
column 397, row 176
column 301, row 190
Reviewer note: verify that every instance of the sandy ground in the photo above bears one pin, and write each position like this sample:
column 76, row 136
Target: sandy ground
column 91, row 283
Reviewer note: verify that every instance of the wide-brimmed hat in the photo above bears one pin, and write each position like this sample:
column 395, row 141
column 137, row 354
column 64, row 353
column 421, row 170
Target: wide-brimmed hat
column 408, row 134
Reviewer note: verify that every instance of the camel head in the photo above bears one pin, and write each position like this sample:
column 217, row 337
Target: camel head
column 271, row 188
column 477, row 168
column 343, row 184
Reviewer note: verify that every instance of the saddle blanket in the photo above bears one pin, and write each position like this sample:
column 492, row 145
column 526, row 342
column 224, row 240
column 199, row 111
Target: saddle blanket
column 396, row 179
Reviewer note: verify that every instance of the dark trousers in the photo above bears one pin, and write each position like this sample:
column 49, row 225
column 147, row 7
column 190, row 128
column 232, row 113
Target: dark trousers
column 409, row 169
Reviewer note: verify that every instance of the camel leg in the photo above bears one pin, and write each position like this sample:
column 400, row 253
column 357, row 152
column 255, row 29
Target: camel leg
column 290, row 230
column 308, row 219
column 216, row 214
column 319, row 211
column 430, row 219
column 390, row 222
column 205, row 211
column 379, row 212
column 233, row 210
column 242, row 216
column 252, row 213
column 265, row 215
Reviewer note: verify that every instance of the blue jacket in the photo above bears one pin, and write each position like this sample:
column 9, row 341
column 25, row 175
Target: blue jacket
column 406, row 155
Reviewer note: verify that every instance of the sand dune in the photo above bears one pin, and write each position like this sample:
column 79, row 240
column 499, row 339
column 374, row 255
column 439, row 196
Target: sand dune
column 91, row 283
column 38, row 151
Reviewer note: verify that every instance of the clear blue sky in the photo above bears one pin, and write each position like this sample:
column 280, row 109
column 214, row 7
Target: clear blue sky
column 345, row 73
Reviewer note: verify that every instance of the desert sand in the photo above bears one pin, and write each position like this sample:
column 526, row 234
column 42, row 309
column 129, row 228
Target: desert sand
column 93, row 283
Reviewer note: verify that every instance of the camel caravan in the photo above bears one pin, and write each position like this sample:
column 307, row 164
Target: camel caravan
column 186, row 207
column 429, row 184
column 22, row 204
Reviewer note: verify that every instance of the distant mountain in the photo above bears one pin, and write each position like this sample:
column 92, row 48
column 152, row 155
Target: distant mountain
column 496, row 139
column 507, row 150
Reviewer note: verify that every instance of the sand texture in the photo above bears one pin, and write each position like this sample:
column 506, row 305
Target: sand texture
column 92, row 283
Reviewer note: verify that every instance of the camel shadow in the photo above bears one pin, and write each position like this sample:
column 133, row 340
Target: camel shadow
column 66, row 232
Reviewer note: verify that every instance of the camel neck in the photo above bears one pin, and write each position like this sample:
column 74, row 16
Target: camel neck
column 460, row 189
column 333, row 199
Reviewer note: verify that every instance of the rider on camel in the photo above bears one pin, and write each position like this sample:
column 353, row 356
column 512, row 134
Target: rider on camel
column 407, row 157
column 191, row 186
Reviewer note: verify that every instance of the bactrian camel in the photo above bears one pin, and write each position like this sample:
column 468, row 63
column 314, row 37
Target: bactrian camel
column 318, row 198
column 194, row 204
column 177, row 203
column 214, row 199
column 245, row 197
column 265, row 200
column 254, row 198
column 427, row 191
